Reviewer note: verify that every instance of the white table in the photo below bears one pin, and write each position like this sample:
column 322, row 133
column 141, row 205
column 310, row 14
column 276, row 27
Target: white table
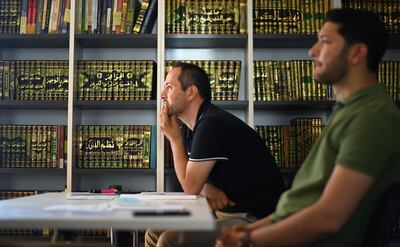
column 28, row 212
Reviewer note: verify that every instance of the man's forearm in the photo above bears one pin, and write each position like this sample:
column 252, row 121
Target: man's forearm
column 180, row 160
column 304, row 227
column 259, row 223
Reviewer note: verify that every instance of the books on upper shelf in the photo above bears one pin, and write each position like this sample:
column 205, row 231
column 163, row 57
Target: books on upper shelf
column 116, row 80
column 34, row 79
column 32, row 146
column 288, row 81
column 116, row 146
column 224, row 76
column 290, row 144
column 205, row 17
column 115, row 16
column 35, row 16
column 293, row 81
column 388, row 11
column 289, row 17
column 389, row 75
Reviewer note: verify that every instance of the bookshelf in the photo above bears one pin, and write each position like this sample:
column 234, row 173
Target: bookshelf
column 116, row 41
column 205, row 40
column 34, row 41
column 394, row 42
column 293, row 105
column 284, row 41
column 33, row 112
column 160, row 47
column 33, row 104
column 132, row 105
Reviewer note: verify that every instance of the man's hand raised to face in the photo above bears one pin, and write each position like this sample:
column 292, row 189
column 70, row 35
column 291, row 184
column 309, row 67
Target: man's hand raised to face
column 169, row 124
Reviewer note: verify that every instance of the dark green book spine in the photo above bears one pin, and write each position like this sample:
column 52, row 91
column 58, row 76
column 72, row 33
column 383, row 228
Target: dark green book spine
column 142, row 13
column 150, row 18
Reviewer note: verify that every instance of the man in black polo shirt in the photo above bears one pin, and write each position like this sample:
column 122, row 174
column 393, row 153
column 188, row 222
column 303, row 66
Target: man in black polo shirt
column 216, row 155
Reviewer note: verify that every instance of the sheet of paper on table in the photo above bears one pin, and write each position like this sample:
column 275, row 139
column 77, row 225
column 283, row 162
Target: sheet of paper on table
column 90, row 196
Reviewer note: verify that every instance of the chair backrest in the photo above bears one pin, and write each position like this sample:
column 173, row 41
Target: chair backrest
column 384, row 219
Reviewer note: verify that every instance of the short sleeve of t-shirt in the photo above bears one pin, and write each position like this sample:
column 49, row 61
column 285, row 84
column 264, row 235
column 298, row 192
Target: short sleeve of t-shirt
column 209, row 140
column 367, row 144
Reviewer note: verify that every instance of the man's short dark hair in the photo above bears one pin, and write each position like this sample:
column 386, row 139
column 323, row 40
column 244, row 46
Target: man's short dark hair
column 361, row 26
column 194, row 75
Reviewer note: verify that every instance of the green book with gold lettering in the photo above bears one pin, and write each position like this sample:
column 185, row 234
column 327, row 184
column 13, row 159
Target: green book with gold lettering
column 146, row 146
column 242, row 17
column 1, row 78
column 131, row 15
column 6, row 88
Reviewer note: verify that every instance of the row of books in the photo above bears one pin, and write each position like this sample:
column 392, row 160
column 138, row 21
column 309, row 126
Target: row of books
column 48, row 232
column 9, row 194
column 115, row 146
column 115, row 16
column 288, row 81
column 182, row 16
column 290, row 144
column 288, row 16
column 116, row 80
column 93, row 16
column 224, row 76
column 35, row 16
column 387, row 10
column 205, row 17
column 32, row 146
column 34, row 79
column 44, row 232
column 135, row 80
column 389, row 75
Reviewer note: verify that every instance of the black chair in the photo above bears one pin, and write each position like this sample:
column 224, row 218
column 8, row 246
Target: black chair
column 384, row 219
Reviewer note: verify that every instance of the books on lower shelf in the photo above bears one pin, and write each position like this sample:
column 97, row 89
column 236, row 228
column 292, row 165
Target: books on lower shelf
column 290, row 144
column 116, row 146
column 32, row 146
column 288, row 81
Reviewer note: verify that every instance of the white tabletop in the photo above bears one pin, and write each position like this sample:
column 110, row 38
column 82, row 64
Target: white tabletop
column 30, row 212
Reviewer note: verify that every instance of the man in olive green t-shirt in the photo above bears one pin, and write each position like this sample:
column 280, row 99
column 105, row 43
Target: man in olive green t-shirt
column 356, row 158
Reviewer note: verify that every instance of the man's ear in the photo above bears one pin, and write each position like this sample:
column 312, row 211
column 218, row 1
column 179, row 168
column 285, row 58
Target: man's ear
column 358, row 53
column 192, row 91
